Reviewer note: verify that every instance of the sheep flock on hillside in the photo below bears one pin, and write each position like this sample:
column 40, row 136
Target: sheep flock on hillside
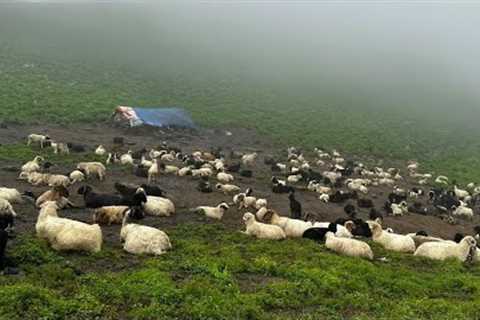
column 330, row 176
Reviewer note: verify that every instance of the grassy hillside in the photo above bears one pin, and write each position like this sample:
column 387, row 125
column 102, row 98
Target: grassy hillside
column 37, row 91
column 215, row 273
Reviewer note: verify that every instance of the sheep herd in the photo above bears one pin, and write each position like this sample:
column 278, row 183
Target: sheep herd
column 326, row 174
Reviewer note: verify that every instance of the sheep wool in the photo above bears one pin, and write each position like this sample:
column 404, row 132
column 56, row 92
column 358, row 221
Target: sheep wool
column 447, row 249
column 348, row 247
column 262, row 230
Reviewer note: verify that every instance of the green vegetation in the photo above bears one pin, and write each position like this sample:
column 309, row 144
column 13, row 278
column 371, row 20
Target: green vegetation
column 216, row 273
column 35, row 91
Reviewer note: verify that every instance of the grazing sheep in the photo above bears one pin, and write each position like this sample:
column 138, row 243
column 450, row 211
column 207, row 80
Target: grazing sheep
column 227, row 188
column 140, row 239
column 447, row 249
column 100, row 150
column 93, row 168
column 391, row 241
column 37, row 138
column 76, row 176
column 110, row 214
column 249, row 159
column 66, row 234
column 58, row 194
column 33, row 166
column 213, row 212
column 262, row 230
column 158, row 206
column 348, row 247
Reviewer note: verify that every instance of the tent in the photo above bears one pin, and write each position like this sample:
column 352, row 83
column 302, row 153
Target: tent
column 157, row 117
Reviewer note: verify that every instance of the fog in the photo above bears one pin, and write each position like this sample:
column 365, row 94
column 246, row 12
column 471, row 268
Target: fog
column 391, row 55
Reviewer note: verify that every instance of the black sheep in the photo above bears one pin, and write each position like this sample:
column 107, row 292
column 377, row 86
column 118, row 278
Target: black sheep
column 318, row 234
column 422, row 233
column 151, row 190
column 295, row 207
column 350, row 211
column 76, row 147
column 458, row 237
column 364, row 203
column 280, row 188
column 234, row 167
column 97, row 200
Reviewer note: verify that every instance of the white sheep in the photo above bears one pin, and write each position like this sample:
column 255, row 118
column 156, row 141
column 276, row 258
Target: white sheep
column 262, row 230
column 294, row 178
column 12, row 195
column 127, row 159
column 227, row 188
column 463, row 211
column 325, row 198
column 140, row 239
column 461, row 194
column 59, row 147
column 184, row 171
column 56, row 180
column 35, row 178
column 447, row 249
column 76, row 176
column 244, row 201
column 153, row 171
column 93, row 168
column 224, row 177
column 202, row 172
column 213, row 212
column 293, row 228
column 260, row 214
column 6, row 208
column 33, row 166
column 158, row 206
column 391, row 241
column 100, row 150
column 355, row 186
column 399, row 209
column 146, row 163
column 261, row 203
column 37, row 138
column 66, row 234
column 348, row 247
column 168, row 157
column 442, row 180
column 58, row 195
column 249, row 159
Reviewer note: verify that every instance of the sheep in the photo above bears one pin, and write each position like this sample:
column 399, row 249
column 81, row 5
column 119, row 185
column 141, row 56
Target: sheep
column 227, row 188
column 12, row 195
column 56, row 180
column 318, row 234
column 58, row 194
column 442, row 180
column 35, row 178
column 33, row 166
column 130, row 190
column 391, row 241
column 76, row 176
column 356, row 186
column 109, row 214
column 6, row 208
column 140, row 239
column 213, row 212
column 348, row 247
column 153, row 171
column 344, row 229
column 295, row 207
column 59, row 147
column 37, row 138
column 244, row 200
column 97, row 200
column 262, row 230
column 168, row 157
column 185, row 171
column 127, row 159
column 100, row 150
column 420, row 238
column 112, row 158
column 66, row 234
column 224, row 177
column 261, row 203
column 92, row 168
column 460, row 194
column 325, row 198
column 260, row 214
column 463, row 211
column 249, row 159
column 202, row 172
column 293, row 228
column 294, row 178
column 447, row 249
column 399, row 209
column 158, row 206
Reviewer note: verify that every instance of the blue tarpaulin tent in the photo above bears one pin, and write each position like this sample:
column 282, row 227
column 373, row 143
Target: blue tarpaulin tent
column 157, row 117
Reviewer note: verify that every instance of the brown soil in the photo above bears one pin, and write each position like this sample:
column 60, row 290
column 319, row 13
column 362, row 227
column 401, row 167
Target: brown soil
column 182, row 190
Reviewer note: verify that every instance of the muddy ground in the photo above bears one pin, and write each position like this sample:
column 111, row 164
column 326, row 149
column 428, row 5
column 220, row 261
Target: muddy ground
column 181, row 190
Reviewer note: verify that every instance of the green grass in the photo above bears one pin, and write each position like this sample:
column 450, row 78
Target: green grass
column 214, row 273
column 71, row 92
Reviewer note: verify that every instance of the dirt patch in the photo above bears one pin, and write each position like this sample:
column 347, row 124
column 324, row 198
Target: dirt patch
column 181, row 190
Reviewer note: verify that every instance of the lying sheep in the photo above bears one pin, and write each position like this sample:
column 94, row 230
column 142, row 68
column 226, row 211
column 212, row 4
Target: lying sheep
column 262, row 230
column 348, row 247
column 59, row 195
column 213, row 212
column 261, row 203
column 57, row 180
column 447, row 249
column 391, row 241
column 100, row 150
column 140, row 239
column 12, row 195
column 76, row 176
column 244, row 201
column 463, row 211
column 168, row 169
column 158, row 206
column 109, row 214
column 225, row 177
column 249, row 159
column 35, row 178
column 399, row 209
column 93, row 168
column 227, row 188
column 38, row 138
column 33, row 166
column 66, row 234
column 293, row 228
